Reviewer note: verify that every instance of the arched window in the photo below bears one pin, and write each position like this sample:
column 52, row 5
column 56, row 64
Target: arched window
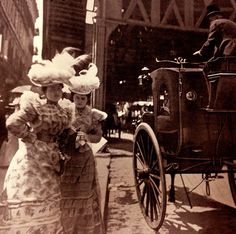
column 163, row 101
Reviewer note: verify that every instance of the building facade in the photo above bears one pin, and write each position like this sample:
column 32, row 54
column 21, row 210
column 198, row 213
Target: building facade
column 128, row 35
column 63, row 26
column 17, row 19
column 132, row 34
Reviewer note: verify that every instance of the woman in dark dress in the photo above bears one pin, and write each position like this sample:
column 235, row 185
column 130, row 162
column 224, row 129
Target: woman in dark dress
column 81, row 211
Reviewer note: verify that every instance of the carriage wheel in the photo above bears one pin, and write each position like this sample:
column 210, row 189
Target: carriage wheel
column 149, row 176
column 232, row 180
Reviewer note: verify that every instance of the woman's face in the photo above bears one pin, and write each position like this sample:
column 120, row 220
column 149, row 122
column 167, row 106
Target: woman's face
column 80, row 100
column 54, row 92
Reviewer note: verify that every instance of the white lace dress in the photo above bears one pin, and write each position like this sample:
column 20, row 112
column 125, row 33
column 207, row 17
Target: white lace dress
column 31, row 196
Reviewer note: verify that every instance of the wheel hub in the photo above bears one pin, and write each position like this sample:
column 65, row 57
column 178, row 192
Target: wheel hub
column 144, row 174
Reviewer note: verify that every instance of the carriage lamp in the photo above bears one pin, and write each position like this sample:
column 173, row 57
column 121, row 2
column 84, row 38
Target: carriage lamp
column 191, row 95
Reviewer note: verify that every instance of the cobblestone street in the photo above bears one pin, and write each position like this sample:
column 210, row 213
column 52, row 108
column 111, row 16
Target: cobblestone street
column 124, row 215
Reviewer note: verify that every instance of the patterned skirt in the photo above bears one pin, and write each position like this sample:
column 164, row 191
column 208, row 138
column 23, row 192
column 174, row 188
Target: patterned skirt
column 30, row 201
column 81, row 210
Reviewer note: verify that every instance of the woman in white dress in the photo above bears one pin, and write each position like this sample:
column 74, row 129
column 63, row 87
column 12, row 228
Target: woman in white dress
column 30, row 201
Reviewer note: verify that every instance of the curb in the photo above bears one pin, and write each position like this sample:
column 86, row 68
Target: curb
column 106, row 198
column 103, row 161
column 104, row 182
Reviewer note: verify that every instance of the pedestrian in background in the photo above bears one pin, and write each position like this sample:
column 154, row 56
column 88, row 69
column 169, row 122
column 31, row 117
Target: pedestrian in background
column 10, row 144
column 81, row 210
column 3, row 135
column 221, row 39
column 31, row 195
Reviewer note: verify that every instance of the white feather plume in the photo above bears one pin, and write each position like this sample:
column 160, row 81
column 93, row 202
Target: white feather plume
column 86, row 82
column 59, row 70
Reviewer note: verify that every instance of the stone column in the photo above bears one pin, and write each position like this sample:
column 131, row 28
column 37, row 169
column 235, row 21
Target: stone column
column 102, row 31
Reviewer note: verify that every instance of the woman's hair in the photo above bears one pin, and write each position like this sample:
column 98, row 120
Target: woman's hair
column 44, row 88
column 88, row 97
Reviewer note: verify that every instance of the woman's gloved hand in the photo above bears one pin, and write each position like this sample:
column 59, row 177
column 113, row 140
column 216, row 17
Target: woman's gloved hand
column 81, row 139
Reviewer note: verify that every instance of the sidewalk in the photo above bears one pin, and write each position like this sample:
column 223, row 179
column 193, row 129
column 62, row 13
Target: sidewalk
column 116, row 147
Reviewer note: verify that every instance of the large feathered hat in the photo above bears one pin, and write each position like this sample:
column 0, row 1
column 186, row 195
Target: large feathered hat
column 59, row 70
column 86, row 82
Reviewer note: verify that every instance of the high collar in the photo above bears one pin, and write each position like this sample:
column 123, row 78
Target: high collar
column 86, row 109
column 52, row 103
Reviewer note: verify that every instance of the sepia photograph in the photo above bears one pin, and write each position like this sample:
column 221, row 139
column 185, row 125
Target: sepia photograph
column 117, row 116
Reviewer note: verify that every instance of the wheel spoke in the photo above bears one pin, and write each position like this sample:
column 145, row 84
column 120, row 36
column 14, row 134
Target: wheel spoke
column 140, row 182
column 151, row 204
column 141, row 153
column 156, row 189
column 149, row 143
column 155, row 176
column 149, row 163
column 156, row 201
column 139, row 159
column 147, row 200
column 143, row 145
column 155, row 211
column 144, row 192
column 154, row 165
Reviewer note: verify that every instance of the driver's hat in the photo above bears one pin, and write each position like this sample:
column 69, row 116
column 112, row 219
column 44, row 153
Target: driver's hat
column 213, row 9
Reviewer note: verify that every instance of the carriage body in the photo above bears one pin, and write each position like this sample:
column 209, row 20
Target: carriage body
column 195, row 137
column 191, row 130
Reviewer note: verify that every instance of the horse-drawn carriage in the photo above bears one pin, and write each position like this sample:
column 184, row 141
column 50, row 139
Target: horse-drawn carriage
column 192, row 130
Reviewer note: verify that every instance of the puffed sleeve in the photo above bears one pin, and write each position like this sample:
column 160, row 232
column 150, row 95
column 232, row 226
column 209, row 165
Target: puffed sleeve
column 98, row 115
column 19, row 122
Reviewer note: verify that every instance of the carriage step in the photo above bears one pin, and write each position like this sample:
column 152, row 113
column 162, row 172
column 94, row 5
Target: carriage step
column 218, row 110
column 167, row 131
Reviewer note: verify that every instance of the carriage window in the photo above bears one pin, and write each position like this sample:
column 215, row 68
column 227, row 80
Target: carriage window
column 164, row 104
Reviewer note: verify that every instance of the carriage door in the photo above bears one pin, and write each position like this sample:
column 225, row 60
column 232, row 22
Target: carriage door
column 167, row 116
